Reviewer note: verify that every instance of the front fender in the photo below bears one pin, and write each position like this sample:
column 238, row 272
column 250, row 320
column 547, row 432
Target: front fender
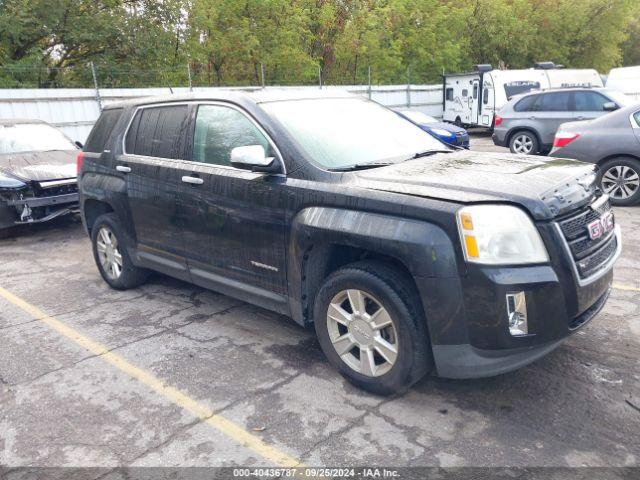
column 422, row 247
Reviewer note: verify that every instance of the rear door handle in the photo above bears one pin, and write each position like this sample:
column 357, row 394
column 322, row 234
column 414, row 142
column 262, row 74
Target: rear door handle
column 192, row 180
column 123, row 169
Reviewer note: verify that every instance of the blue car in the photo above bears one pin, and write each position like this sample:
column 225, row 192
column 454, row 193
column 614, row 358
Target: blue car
column 446, row 132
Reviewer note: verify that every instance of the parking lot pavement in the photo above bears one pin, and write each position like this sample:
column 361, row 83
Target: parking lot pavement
column 173, row 375
column 480, row 139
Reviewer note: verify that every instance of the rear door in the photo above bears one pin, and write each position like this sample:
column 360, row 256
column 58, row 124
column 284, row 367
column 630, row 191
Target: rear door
column 552, row 110
column 155, row 144
column 635, row 123
column 474, row 102
column 589, row 105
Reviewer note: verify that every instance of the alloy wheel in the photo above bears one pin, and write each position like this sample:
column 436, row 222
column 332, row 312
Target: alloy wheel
column 362, row 332
column 523, row 144
column 109, row 253
column 620, row 182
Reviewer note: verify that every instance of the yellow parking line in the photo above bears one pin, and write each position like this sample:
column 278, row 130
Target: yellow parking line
column 628, row 288
column 225, row 426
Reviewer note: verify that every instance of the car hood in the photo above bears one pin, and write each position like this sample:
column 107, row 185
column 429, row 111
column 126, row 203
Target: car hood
column 40, row 166
column 545, row 187
column 445, row 126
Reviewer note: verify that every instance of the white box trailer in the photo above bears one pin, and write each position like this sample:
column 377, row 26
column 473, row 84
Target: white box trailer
column 625, row 80
column 472, row 99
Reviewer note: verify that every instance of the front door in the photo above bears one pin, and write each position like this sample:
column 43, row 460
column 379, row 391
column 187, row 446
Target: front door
column 234, row 220
column 154, row 143
column 474, row 102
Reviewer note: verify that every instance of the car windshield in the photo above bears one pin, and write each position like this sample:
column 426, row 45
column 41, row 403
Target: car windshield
column 32, row 137
column 338, row 133
column 418, row 117
column 620, row 98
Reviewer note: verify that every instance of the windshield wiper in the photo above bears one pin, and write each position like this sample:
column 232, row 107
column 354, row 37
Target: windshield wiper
column 428, row 153
column 361, row 166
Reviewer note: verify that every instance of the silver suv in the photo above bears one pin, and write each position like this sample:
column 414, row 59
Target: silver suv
column 528, row 123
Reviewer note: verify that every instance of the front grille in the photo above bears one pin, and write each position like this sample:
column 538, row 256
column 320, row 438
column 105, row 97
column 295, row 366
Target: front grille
column 589, row 255
column 57, row 190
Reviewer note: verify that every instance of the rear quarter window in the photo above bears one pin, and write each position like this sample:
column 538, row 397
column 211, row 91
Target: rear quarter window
column 158, row 132
column 97, row 140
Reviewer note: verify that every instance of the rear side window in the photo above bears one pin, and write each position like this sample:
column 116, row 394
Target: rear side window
column 590, row 101
column 449, row 95
column 527, row 104
column 158, row 132
column 485, row 96
column 101, row 131
column 219, row 130
column 637, row 117
column 554, row 102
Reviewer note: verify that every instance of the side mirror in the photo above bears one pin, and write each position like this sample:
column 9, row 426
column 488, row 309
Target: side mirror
column 254, row 158
column 79, row 144
column 609, row 107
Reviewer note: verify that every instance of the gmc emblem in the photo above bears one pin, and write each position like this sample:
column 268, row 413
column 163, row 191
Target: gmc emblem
column 601, row 226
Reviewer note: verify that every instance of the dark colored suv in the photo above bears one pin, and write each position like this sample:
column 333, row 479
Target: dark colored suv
column 405, row 255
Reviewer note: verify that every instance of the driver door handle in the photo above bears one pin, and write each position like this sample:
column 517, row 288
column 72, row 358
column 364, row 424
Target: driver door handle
column 123, row 169
column 192, row 180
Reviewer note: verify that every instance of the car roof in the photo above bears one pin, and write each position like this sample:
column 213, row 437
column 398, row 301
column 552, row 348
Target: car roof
column 259, row 95
column 8, row 122
column 563, row 89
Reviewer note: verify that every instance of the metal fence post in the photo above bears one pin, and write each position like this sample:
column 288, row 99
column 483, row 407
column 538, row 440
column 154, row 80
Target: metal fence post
column 95, row 85
column 189, row 74
column 262, row 74
column 369, row 82
column 409, row 87
column 320, row 76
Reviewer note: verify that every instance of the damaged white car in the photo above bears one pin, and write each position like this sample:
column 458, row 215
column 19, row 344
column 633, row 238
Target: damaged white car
column 37, row 173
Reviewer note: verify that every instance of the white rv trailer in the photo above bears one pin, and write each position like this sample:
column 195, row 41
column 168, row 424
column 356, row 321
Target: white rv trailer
column 473, row 98
column 625, row 80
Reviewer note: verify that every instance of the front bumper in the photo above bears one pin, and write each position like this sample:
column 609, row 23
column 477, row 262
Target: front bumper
column 466, row 361
column 28, row 210
column 468, row 320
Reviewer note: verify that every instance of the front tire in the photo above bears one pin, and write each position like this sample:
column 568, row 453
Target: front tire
column 524, row 143
column 111, row 256
column 370, row 325
column 620, row 179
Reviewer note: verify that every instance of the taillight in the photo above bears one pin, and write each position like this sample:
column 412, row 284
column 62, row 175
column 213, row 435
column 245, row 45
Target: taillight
column 79, row 162
column 564, row 138
column 497, row 121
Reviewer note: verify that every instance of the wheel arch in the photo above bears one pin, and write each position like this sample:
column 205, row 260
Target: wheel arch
column 511, row 133
column 325, row 239
column 617, row 155
column 92, row 209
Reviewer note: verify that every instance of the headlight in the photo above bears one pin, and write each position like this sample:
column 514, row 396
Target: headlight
column 10, row 182
column 442, row 133
column 499, row 235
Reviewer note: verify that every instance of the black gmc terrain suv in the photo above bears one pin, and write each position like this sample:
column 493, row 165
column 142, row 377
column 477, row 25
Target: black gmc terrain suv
column 407, row 256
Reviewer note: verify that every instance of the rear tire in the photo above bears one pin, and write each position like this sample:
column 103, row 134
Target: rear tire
column 524, row 142
column 620, row 179
column 380, row 359
column 458, row 122
column 111, row 256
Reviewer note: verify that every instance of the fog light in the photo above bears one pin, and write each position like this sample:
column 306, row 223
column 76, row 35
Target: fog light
column 517, row 314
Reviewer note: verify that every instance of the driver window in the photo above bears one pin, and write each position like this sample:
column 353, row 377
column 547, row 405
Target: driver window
column 219, row 130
